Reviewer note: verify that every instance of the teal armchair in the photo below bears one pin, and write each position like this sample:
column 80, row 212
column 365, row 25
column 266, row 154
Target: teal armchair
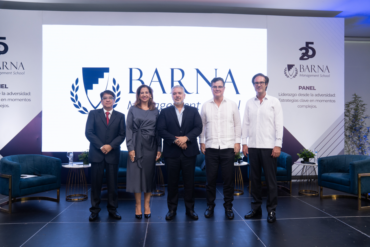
column 47, row 169
column 346, row 173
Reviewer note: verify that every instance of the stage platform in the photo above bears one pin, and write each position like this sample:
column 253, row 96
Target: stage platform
column 301, row 221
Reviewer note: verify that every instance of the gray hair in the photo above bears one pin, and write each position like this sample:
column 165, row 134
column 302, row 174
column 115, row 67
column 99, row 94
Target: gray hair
column 178, row 86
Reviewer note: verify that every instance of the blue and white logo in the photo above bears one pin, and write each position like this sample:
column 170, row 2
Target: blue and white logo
column 95, row 81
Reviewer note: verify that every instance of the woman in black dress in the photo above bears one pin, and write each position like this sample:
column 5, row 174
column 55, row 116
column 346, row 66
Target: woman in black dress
column 144, row 147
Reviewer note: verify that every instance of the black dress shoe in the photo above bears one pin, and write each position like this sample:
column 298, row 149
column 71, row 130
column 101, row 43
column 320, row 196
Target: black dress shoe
column 93, row 216
column 148, row 215
column 209, row 212
column 115, row 215
column 138, row 216
column 170, row 215
column 271, row 217
column 229, row 214
column 254, row 214
column 192, row 214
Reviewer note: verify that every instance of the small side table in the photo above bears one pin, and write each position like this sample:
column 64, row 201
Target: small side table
column 76, row 188
column 307, row 185
column 160, row 181
column 239, row 183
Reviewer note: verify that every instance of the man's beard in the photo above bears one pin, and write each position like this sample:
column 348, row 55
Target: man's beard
column 178, row 103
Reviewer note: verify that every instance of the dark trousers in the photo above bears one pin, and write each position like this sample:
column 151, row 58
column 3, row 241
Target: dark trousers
column 225, row 159
column 174, row 166
column 97, row 174
column 261, row 158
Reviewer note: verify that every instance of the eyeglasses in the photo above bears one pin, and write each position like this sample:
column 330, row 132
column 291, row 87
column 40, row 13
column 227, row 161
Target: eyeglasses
column 219, row 87
column 259, row 83
column 107, row 98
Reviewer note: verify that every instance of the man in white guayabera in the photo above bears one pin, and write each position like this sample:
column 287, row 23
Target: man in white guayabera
column 262, row 137
column 220, row 141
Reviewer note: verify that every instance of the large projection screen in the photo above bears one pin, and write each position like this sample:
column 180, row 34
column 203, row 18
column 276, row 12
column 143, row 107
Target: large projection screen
column 80, row 61
column 58, row 63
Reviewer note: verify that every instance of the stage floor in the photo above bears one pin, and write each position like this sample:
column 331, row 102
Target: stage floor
column 301, row 221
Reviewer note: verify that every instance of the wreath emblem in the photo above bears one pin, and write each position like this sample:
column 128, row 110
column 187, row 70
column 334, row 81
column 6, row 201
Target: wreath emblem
column 75, row 100
column 295, row 73
column 116, row 91
column 77, row 103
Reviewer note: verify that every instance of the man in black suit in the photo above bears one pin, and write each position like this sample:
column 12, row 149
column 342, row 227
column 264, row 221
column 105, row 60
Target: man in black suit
column 106, row 130
column 179, row 126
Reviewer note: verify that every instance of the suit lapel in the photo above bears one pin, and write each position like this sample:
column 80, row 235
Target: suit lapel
column 173, row 111
column 113, row 117
column 102, row 117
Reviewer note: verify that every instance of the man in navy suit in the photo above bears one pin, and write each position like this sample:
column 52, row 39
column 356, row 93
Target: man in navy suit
column 105, row 130
column 179, row 126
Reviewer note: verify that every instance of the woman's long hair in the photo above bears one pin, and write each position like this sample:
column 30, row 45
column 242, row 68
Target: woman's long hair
column 151, row 103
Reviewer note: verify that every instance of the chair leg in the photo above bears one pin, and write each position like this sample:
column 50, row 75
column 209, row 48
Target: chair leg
column 285, row 187
column 24, row 199
column 9, row 210
column 358, row 197
column 359, row 190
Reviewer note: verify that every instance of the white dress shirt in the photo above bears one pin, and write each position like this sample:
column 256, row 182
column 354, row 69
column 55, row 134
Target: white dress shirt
column 180, row 114
column 110, row 113
column 221, row 125
column 263, row 123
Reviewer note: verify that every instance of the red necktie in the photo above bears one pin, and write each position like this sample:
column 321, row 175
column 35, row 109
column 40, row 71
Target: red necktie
column 107, row 113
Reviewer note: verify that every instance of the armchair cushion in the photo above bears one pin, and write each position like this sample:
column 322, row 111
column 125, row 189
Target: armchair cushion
column 122, row 172
column 200, row 162
column 198, row 172
column 280, row 172
column 200, row 167
column 37, row 181
column 336, row 177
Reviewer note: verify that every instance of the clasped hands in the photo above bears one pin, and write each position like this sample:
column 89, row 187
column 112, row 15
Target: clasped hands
column 106, row 148
column 181, row 141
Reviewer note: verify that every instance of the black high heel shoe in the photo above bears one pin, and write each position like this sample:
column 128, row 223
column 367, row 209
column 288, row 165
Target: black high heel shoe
column 139, row 216
column 147, row 215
